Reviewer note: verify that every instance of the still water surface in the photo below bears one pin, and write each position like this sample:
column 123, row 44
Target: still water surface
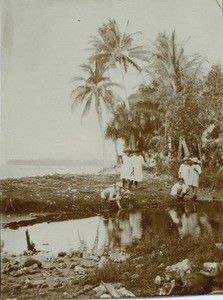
column 116, row 230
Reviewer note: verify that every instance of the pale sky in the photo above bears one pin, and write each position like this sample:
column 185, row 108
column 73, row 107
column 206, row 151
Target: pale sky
column 42, row 45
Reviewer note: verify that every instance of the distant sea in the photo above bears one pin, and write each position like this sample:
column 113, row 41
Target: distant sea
column 17, row 171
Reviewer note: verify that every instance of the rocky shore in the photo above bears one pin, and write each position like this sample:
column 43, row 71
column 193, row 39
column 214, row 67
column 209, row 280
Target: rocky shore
column 142, row 269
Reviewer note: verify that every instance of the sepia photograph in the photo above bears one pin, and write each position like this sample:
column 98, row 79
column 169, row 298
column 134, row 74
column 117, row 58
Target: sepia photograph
column 111, row 160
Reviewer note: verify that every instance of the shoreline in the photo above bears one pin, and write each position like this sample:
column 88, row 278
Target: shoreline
column 79, row 195
column 78, row 274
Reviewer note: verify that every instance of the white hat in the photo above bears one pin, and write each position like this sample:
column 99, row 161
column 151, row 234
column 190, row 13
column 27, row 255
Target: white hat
column 195, row 160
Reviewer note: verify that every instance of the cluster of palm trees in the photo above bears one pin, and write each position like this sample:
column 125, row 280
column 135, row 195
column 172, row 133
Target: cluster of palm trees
column 164, row 63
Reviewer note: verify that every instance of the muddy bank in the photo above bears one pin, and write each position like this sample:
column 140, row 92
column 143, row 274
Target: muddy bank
column 79, row 195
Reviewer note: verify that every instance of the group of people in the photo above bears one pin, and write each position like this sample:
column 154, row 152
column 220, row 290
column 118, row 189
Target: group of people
column 131, row 162
column 188, row 178
column 131, row 174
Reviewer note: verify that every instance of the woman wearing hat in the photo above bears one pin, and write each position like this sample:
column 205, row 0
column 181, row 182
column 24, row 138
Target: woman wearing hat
column 195, row 171
column 137, row 163
column 126, row 167
column 184, row 170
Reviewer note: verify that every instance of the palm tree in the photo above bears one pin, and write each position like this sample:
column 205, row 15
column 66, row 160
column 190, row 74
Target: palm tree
column 170, row 68
column 112, row 47
column 95, row 90
column 169, row 65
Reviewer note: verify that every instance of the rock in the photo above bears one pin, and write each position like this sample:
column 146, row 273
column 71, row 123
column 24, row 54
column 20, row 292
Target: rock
column 101, row 289
column 79, row 270
column 158, row 280
column 180, row 268
column 31, row 261
column 219, row 246
column 105, row 296
column 5, row 260
column 70, row 254
column 72, row 266
column 38, row 282
column 65, row 295
column 125, row 293
column 62, row 265
column 87, row 264
column 214, row 268
column 57, row 284
column 61, row 254
column 118, row 257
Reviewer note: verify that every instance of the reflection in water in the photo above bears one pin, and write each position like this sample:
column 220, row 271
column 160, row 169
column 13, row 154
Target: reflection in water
column 123, row 228
column 96, row 233
column 112, row 231
column 191, row 222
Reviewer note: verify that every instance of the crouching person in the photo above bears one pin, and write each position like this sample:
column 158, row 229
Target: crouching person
column 114, row 193
column 179, row 189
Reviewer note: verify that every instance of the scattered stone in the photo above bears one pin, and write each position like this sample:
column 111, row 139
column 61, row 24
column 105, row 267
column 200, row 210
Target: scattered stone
column 79, row 270
column 158, row 280
column 105, row 296
column 118, row 257
column 61, row 254
column 125, row 293
column 57, row 284
column 219, row 246
column 31, row 261
column 38, row 282
column 180, row 268
column 65, row 295
column 87, row 264
column 214, row 268
column 62, row 265
column 100, row 289
column 5, row 260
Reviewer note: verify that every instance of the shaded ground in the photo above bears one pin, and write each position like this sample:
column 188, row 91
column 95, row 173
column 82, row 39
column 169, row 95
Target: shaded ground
column 75, row 274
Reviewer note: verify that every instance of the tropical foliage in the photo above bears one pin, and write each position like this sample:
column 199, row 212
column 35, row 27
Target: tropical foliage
column 95, row 91
column 176, row 101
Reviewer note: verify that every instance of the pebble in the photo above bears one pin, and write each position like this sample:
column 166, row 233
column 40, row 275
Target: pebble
column 62, row 265
column 38, row 282
column 57, row 284
column 5, row 260
column 61, row 254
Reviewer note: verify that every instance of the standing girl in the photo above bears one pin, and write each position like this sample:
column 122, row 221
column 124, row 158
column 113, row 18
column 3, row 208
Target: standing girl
column 195, row 171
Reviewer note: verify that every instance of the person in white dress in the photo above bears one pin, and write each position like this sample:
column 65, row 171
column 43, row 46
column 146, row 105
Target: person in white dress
column 126, row 167
column 184, row 170
column 137, row 163
column 195, row 171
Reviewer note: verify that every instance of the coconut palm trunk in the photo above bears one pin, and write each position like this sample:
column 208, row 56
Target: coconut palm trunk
column 102, row 136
